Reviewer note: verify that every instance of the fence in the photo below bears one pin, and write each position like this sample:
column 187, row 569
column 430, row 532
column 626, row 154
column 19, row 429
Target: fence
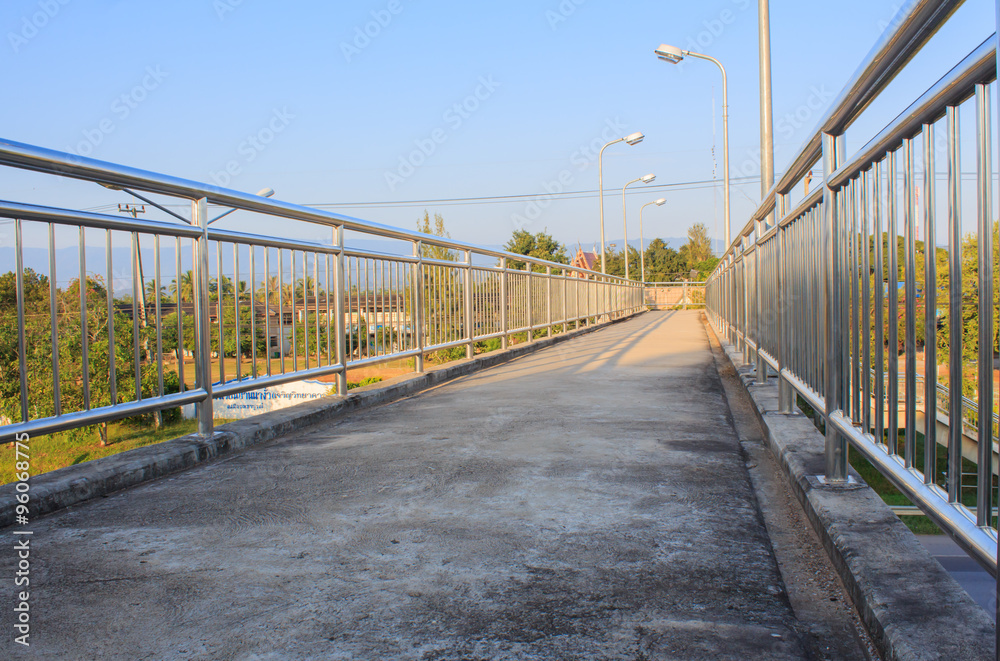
column 674, row 295
column 814, row 292
column 205, row 312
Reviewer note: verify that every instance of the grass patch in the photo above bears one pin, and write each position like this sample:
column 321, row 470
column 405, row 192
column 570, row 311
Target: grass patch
column 891, row 495
column 69, row 448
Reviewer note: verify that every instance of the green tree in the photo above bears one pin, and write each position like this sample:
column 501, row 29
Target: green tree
column 663, row 263
column 616, row 263
column 698, row 247
column 431, row 251
column 540, row 246
column 442, row 287
column 183, row 288
column 69, row 343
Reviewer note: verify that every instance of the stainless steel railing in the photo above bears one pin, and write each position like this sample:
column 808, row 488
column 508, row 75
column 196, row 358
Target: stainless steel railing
column 201, row 312
column 674, row 295
column 814, row 292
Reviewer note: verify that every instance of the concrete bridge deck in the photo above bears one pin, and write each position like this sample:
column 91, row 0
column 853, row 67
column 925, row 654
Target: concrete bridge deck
column 590, row 500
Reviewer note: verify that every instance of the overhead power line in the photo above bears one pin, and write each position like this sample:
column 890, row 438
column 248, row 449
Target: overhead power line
column 497, row 199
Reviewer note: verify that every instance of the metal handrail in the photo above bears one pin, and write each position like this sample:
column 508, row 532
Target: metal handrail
column 797, row 296
column 49, row 161
column 915, row 23
column 339, row 308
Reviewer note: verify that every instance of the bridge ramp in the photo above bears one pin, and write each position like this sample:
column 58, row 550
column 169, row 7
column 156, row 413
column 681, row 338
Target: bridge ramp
column 586, row 501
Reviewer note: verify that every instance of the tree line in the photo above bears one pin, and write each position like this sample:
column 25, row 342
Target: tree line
column 663, row 263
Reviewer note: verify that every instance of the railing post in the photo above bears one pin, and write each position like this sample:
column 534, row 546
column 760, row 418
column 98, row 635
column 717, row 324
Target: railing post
column 341, row 327
column 503, row 302
column 785, row 398
column 203, row 342
column 565, row 301
column 745, row 241
column 761, row 366
column 418, row 296
column 836, row 445
column 548, row 299
column 734, row 306
column 470, row 348
column 531, row 315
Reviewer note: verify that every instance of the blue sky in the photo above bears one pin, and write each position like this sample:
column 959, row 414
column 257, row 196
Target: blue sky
column 298, row 97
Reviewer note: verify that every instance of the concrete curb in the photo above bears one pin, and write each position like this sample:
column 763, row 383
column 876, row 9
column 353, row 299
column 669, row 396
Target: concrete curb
column 912, row 608
column 73, row 485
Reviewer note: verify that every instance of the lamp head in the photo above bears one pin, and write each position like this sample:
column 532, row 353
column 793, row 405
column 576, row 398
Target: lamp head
column 670, row 54
column 634, row 138
column 660, row 202
column 647, row 178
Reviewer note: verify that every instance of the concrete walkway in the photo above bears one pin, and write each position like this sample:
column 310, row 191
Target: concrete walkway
column 587, row 501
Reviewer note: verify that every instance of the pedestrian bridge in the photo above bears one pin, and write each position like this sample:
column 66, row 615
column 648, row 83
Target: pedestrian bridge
column 588, row 500
column 609, row 496
column 582, row 477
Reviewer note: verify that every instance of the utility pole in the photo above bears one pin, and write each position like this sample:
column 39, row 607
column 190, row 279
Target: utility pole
column 134, row 210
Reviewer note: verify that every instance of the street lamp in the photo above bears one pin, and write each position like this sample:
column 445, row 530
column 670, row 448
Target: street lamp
column 642, row 250
column 632, row 139
column 674, row 55
column 644, row 179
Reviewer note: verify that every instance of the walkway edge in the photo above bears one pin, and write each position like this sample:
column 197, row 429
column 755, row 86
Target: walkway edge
column 912, row 608
column 73, row 485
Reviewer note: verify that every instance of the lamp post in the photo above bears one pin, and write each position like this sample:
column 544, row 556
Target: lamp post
column 648, row 178
column 632, row 139
column 642, row 250
column 674, row 55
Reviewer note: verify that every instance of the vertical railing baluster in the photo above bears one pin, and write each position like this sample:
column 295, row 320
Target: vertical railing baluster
column 910, row 305
column 22, row 360
column 866, row 313
column 955, row 323
column 222, row 326
column 267, row 309
column 892, row 387
column 281, row 307
column 293, row 296
column 236, row 310
column 253, row 310
column 54, row 322
column 110, row 282
column 880, row 291
column 178, row 299
column 84, row 330
column 930, row 310
column 984, row 197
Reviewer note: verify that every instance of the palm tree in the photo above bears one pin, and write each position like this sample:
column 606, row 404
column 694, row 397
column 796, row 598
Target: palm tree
column 151, row 292
column 186, row 287
column 309, row 284
column 242, row 291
